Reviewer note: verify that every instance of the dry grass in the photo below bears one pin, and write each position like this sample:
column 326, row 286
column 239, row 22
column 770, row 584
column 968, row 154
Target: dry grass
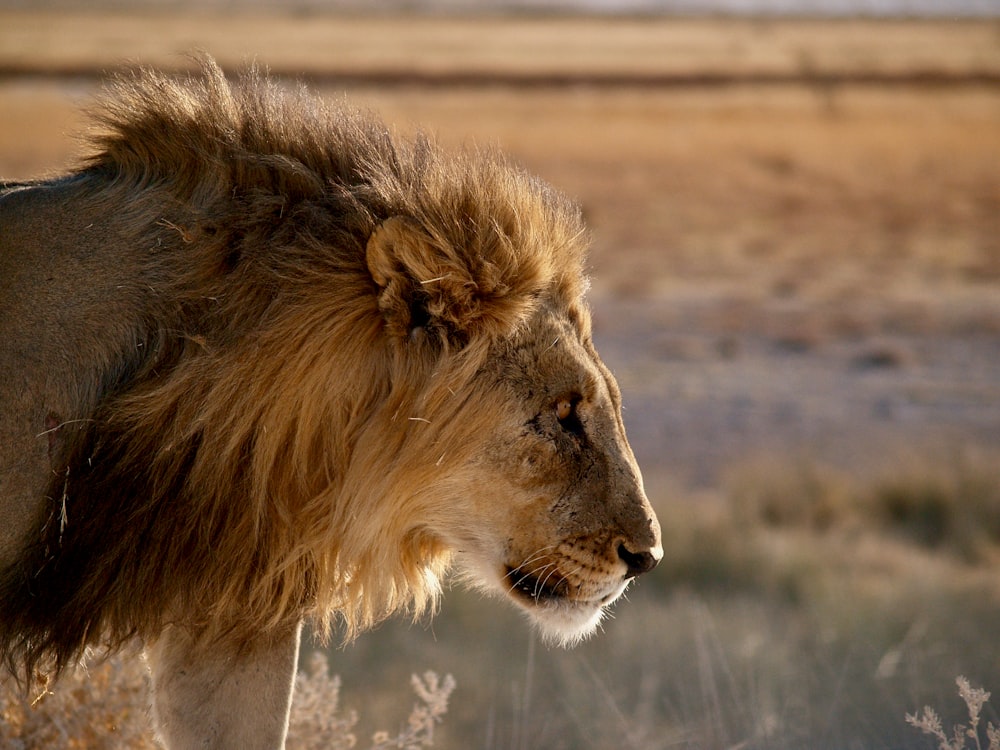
column 105, row 706
column 943, row 503
column 539, row 46
column 805, row 533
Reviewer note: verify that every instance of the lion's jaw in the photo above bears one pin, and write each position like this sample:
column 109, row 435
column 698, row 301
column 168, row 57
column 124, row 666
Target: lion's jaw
column 561, row 618
column 565, row 601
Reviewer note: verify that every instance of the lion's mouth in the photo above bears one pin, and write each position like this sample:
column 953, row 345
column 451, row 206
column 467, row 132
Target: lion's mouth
column 565, row 609
column 549, row 586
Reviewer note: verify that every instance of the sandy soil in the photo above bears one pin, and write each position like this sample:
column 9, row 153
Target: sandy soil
column 788, row 265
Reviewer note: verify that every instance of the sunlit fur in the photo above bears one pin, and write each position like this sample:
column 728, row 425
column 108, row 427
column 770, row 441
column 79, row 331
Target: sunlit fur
column 261, row 435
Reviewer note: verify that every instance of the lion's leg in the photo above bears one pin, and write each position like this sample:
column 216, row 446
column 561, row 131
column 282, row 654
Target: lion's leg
column 217, row 695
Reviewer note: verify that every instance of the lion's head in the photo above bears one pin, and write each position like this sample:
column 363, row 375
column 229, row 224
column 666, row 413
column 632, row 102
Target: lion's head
column 329, row 361
column 544, row 502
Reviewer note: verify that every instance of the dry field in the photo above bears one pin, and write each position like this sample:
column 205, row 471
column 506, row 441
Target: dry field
column 797, row 281
column 530, row 48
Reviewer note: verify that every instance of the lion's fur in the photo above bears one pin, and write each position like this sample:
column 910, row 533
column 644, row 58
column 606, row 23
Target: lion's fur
column 258, row 435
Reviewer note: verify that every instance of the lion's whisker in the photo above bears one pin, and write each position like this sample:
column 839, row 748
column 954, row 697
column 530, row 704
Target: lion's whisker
column 563, row 577
column 538, row 554
column 541, row 582
column 528, row 575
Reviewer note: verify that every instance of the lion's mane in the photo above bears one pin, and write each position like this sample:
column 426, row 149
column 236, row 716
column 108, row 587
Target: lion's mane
column 255, row 449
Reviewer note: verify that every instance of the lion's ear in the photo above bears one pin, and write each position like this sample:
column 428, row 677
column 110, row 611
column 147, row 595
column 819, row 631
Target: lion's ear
column 428, row 287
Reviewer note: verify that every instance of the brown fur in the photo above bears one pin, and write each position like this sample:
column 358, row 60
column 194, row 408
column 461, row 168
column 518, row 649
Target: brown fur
column 285, row 329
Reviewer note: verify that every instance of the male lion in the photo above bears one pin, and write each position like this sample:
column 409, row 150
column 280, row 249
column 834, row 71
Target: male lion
column 262, row 362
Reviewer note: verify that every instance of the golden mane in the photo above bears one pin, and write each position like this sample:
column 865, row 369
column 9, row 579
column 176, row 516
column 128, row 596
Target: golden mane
column 268, row 437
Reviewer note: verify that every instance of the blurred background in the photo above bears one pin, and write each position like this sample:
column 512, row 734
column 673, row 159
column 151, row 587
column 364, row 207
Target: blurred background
column 796, row 279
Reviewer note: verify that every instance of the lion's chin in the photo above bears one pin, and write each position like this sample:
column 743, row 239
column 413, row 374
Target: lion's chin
column 562, row 619
column 565, row 623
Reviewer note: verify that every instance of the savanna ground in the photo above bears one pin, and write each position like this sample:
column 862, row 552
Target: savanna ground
column 797, row 282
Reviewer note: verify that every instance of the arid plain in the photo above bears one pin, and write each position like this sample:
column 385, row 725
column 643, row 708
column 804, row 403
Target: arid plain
column 796, row 279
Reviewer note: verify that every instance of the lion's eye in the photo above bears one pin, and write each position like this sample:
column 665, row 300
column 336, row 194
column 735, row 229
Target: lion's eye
column 567, row 414
column 564, row 407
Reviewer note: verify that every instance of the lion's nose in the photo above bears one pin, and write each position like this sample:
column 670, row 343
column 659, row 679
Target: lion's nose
column 639, row 562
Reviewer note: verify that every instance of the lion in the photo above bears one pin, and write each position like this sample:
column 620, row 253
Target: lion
column 266, row 362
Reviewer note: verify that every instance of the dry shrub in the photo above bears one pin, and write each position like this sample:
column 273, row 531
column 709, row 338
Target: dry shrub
column 882, row 355
column 709, row 548
column 782, row 492
column 702, row 548
column 975, row 698
column 103, row 707
column 106, row 707
column 951, row 504
column 795, row 531
column 921, row 509
column 316, row 725
column 948, row 502
column 316, row 720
